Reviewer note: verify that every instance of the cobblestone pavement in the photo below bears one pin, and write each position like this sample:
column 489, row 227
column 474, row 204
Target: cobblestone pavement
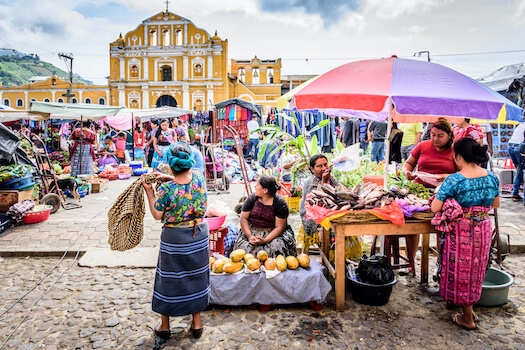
column 100, row 308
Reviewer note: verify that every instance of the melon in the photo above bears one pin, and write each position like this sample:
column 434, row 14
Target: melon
column 232, row 267
column 253, row 264
column 248, row 257
column 262, row 255
column 218, row 266
column 237, row 255
column 212, row 260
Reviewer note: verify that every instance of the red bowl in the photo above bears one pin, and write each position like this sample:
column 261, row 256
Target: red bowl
column 216, row 222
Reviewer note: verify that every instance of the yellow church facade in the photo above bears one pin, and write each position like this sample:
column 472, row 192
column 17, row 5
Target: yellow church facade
column 165, row 61
column 168, row 61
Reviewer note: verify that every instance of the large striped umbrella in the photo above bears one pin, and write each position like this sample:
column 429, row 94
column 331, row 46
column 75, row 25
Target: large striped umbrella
column 408, row 90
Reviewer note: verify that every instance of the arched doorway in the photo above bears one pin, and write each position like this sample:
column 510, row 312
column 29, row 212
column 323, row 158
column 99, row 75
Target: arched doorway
column 166, row 100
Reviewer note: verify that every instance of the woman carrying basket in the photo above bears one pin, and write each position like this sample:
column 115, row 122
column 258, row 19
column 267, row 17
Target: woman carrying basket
column 182, row 279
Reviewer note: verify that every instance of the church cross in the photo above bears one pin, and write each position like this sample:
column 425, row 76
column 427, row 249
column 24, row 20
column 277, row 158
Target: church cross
column 167, row 3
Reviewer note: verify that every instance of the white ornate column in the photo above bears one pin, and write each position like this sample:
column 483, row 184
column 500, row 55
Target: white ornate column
column 209, row 97
column 145, row 96
column 185, row 33
column 122, row 62
column 185, row 96
column 146, row 35
column 53, row 92
column 108, row 102
column 210, row 67
column 145, row 62
column 185, row 67
column 80, row 92
column 26, row 106
column 121, row 96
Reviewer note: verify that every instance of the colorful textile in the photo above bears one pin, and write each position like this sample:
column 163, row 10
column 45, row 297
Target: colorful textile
column 465, row 254
column 182, row 202
column 430, row 160
column 470, row 131
column 231, row 237
column 282, row 245
column 85, row 137
column 445, row 219
column 182, row 278
column 157, row 160
column 470, row 192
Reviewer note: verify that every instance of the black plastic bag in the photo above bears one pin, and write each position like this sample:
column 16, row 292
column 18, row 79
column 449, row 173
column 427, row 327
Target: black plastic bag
column 375, row 270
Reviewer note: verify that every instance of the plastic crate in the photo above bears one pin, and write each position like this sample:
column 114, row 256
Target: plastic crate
column 17, row 184
column 293, row 203
column 217, row 240
column 32, row 217
column 4, row 222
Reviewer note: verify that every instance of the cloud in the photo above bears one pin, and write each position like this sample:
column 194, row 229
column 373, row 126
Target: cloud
column 518, row 18
column 331, row 12
column 46, row 26
column 396, row 8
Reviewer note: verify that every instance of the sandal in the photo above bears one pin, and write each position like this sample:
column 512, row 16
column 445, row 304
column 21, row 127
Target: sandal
column 455, row 319
column 197, row 333
column 475, row 317
column 163, row 334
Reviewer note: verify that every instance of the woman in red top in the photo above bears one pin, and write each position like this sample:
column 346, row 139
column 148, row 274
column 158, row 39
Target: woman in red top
column 82, row 154
column 434, row 156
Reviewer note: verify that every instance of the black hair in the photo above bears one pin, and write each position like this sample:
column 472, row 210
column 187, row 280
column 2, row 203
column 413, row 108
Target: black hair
column 86, row 124
column 315, row 158
column 268, row 182
column 467, row 120
column 443, row 125
column 108, row 138
column 471, row 150
column 175, row 150
column 162, row 120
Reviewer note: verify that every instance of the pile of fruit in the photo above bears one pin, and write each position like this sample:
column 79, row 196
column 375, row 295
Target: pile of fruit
column 238, row 259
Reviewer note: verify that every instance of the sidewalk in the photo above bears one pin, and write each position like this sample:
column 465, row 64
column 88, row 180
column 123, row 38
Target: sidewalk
column 78, row 230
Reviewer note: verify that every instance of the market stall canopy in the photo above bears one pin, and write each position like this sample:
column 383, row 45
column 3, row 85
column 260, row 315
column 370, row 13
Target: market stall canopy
column 15, row 114
column 502, row 78
column 284, row 100
column 75, row 111
column 123, row 120
column 257, row 109
column 418, row 90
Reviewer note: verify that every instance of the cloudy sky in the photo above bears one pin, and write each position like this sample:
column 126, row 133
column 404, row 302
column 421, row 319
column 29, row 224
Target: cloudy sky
column 474, row 37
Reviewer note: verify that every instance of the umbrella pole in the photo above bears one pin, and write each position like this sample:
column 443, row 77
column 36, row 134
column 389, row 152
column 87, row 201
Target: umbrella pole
column 387, row 148
column 81, row 145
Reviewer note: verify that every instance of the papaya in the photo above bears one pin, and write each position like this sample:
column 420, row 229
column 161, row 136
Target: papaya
column 269, row 264
column 262, row 255
column 248, row 257
column 237, row 255
column 232, row 267
column 292, row 262
column 304, row 260
column 218, row 266
column 280, row 262
column 253, row 264
column 212, row 260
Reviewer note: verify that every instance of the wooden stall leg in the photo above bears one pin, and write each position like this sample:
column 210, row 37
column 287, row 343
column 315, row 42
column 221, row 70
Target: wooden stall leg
column 424, row 258
column 339, row 268
column 325, row 241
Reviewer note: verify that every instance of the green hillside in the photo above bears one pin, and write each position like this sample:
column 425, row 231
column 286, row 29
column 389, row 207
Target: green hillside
column 16, row 71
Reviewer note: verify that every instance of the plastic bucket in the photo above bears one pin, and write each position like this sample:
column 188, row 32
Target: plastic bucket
column 216, row 222
column 370, row 294
column 495, row 290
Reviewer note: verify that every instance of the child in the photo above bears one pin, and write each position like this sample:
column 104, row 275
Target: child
column 120, row 142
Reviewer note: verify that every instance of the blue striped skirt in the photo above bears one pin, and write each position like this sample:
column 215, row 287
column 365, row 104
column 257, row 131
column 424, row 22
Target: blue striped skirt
column 182, row 279
column 84, row 165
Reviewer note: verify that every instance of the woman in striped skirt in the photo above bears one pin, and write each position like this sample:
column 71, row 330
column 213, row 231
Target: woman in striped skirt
column 182, row 280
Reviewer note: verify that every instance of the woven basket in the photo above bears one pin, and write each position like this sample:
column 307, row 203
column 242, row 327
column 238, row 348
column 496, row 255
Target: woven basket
column 423, row 215
column 357, row 216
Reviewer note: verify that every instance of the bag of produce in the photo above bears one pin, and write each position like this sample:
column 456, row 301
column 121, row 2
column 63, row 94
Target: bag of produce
column 375, row 270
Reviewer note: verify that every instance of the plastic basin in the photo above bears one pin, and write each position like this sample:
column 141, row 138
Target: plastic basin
column 124, row 176
column 370, row 294
column 495, row 290
column 216, row 222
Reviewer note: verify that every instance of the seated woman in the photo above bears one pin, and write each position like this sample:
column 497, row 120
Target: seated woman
column 106, row 152
column 264, row 223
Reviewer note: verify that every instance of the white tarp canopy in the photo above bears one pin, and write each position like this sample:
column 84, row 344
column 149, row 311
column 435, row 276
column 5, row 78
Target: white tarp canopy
column 123, row 120
column 75, row 111
column 14, row 115
column 500, row 79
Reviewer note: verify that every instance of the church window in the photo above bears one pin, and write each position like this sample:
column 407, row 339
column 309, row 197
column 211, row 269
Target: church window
column 33, row 99
column 255, row 75
column 166, row 73
column 134, row 103
column 46, row 100
column 242, row 74
column 198, row 105
column 74, row 100
column 53, row 82
column 197, row 70
column 166, row 37
column 134, row 71
column 6, row 102
column 269, row 75
column 153, row 38
column 20, row 103
column 178, row 37
column 60, row 100
column 87, row 100
column 101, row 101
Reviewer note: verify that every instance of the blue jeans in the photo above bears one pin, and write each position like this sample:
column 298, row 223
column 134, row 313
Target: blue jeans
column 252, row 143
column 363, row 145
column 378, row 151
column 517, row 159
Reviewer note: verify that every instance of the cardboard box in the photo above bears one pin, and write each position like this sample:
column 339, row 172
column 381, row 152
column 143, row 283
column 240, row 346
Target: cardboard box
column 8, row 198
column 100, row 187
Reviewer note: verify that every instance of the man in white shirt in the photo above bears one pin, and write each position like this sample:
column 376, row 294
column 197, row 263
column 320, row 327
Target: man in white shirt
column 253, row 140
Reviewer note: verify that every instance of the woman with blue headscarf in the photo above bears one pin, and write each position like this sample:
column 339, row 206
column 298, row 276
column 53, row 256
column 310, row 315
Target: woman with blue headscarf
column 182, row 279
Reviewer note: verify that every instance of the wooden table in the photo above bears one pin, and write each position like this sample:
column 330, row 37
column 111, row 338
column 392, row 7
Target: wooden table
column 344, row 229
